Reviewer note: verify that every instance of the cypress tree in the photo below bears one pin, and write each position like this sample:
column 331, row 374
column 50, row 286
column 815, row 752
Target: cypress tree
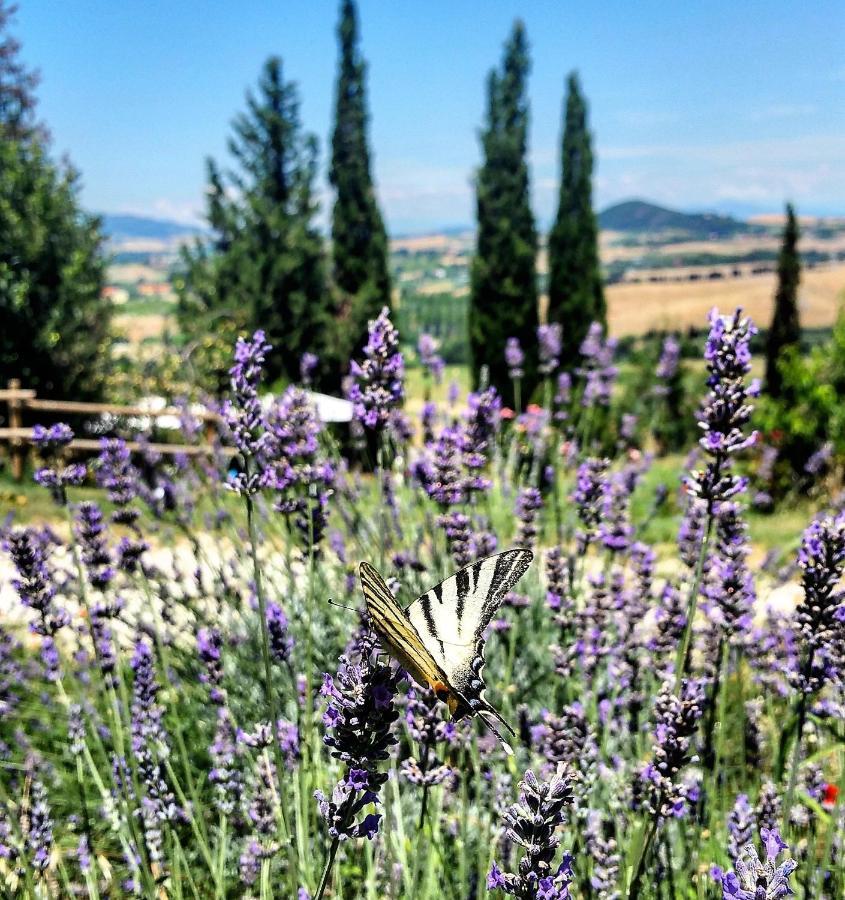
column 785, row 330
column 263, row 266
column 359, row 240
column 503, row 300
column 54, row 324
column 576, row 294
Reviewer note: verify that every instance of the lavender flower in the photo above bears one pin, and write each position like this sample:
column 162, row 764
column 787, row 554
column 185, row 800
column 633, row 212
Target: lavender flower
column 428, row 729
column 558, row 579
column 615, row 530
column 481, row 422
column 730, row 585
column 549, row 341
column 55, row 474
column 458, row 536
column 670, row 619
column 359, row 720
column 819, row 461
column 281, row 641
column 53, row 439
column 597, row 368
column 90, row 531
column 667, row 365
column 150, row 747
column 38, row 831
column 261, row 813
column 666, row 795
column 532, row 824
column 563, row 396
column 429, row 358
column 758, row 880
column 528, row 503
column 588, row 496
column 740, row 826
column 377, row 388
column 307, row 364
column 243, row 413
column 225, row 773
column 36, row 587
column 119, row 477
column 569, row 738
column 209, row 644
column 117, row 474
column 725, row 411
column 604, row 850
column 821, row 613
column 767, row 811
column 294, row 467
column 515, row 358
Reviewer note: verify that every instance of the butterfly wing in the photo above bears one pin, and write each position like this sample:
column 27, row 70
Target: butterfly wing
column 397, row 635
column 450, row 620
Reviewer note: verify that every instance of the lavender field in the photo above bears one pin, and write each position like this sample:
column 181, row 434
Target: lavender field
column 185, row 714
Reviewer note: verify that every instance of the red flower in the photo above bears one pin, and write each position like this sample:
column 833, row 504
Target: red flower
column 831, row 792
column 506, row 413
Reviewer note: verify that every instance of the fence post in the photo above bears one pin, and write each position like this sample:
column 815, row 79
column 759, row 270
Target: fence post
column 17, row 446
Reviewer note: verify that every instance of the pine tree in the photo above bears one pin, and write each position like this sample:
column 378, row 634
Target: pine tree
column 54, row 324
column 263, row 266
column 359, row 240
column 785, row 329
column 503, row 299
column 17, row 84
column 576, row 294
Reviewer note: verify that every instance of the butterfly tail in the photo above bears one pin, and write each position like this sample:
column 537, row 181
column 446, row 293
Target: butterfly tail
column 489, row 721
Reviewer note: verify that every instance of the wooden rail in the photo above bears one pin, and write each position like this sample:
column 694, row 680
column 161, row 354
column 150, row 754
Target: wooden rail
column 19, row 437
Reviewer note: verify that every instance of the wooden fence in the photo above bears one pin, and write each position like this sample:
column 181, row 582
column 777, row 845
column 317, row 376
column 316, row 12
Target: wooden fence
column 19, row 438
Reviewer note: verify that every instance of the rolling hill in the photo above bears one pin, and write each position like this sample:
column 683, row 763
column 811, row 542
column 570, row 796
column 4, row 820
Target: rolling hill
column 120, row 227
column 642, row 216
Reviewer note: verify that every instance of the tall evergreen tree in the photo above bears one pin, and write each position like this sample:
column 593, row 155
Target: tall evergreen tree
column 54, row 324
column 263, row 266
column 503, row 299
column 576, row 294
column 359, row 240
column 17, row 83
column 785, row 330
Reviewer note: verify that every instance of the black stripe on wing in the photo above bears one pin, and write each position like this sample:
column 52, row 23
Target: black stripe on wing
column 510, row 566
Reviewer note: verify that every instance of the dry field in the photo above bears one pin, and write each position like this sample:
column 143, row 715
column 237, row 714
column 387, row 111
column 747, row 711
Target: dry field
column 639, row 308
column 735, row 246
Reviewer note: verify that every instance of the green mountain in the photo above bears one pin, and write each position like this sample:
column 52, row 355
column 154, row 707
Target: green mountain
column 642, row 216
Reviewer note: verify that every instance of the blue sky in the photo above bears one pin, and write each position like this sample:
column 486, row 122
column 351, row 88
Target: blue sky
column 731, row 106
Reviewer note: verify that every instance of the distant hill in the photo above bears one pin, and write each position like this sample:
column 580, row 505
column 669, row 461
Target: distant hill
column 639, row 215
column 124, row 227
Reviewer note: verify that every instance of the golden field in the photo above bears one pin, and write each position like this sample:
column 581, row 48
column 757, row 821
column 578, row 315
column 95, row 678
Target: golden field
column 639, row 308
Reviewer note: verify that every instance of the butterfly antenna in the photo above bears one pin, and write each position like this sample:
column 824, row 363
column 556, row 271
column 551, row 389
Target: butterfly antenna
column 341, row 606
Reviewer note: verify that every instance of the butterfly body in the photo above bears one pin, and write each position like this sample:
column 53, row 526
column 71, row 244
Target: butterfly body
column 439, row 639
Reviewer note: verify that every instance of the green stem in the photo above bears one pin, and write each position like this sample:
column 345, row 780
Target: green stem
column 644, row 840
column 269, row 694
column 324, row 880
column 682, row 659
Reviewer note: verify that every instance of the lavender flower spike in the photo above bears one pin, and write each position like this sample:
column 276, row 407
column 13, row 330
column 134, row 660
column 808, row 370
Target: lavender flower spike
column 514, row 357
column 821, row 614
column 725, row 410
column 758, row 880
column 243, row 412
column 549, row 340
column 377, row 383
column 532, row 824
column 359, row 720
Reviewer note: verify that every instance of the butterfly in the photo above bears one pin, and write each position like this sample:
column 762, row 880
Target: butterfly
column 439, row 638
